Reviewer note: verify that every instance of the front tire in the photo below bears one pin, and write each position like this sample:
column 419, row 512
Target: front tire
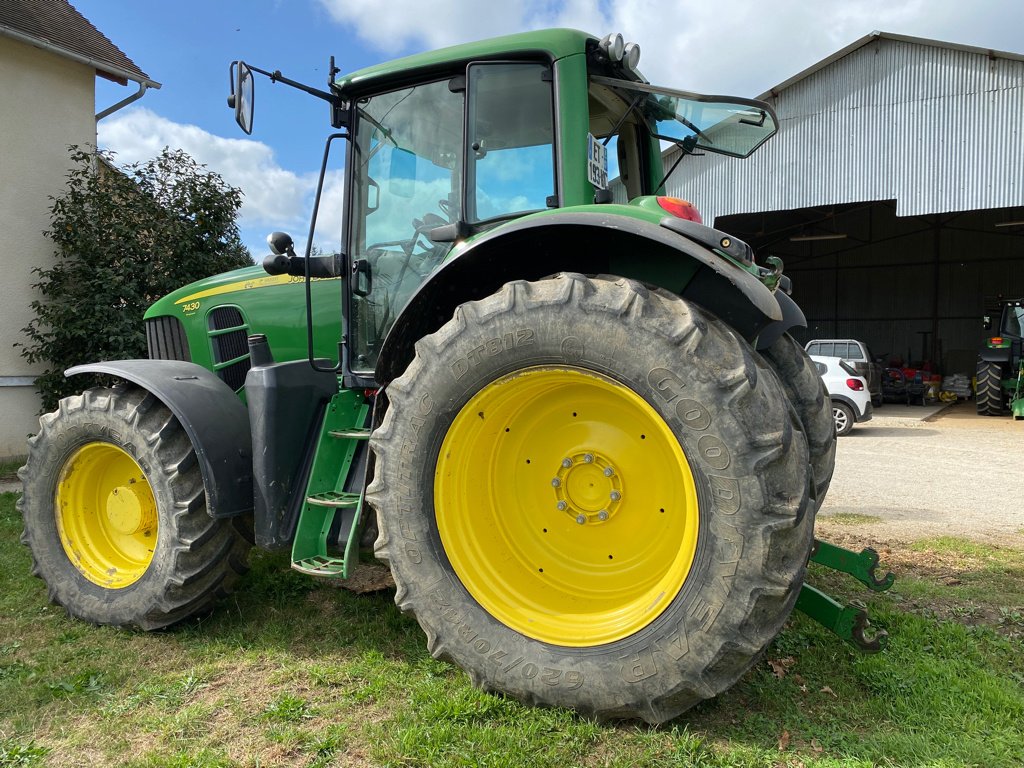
column 593, row 495
column 115, row 514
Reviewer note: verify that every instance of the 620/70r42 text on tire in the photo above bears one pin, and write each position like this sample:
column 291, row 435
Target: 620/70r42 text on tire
column 593, row 495
column 115, row 513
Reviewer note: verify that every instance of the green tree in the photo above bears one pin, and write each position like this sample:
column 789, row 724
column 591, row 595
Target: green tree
column 124, row 238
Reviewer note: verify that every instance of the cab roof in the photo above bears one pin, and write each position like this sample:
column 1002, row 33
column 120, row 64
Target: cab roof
column 553, row 43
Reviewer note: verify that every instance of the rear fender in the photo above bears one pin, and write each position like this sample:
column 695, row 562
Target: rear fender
column 590, row 242
column 995, row 355
column 792, row 317
column 213, row 418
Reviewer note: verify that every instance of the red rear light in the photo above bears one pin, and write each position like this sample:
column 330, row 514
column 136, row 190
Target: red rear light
column 682, row 209
column 996, row 341
column 855, row 384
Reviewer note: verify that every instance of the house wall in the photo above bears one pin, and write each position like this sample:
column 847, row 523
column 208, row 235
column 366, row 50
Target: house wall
column 46, row 103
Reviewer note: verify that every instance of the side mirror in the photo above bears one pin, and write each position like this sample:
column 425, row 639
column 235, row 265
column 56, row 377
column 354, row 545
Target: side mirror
column 242, row 95
column 280, row 243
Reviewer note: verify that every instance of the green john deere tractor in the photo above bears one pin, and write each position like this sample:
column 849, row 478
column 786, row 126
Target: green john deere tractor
column 1000, row 380
column 592, row 453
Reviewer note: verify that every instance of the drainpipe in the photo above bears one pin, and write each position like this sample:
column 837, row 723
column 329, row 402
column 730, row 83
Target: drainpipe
column 143, row 87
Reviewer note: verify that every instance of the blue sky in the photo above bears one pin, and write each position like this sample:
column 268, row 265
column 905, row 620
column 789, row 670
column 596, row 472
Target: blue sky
column 741, row 47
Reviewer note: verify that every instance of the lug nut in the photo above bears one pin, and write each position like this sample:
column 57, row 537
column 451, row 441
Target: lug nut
column 566, row 463
column 562, row 506
column 615, row 495
column 581, row 519
column 555, row 483
column 608, row 471
column 602, row 515
column 588, row 458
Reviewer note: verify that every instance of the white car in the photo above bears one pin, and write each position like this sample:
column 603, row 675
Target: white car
column 851, row 400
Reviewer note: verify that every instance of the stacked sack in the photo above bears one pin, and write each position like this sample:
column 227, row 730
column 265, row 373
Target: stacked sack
column 958, row 383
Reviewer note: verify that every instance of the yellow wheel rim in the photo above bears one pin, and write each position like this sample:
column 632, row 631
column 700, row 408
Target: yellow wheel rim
column 566, row 506
column 106, row 515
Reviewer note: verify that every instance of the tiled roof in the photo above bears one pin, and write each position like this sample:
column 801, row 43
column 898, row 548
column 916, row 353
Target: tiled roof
column 59, row 25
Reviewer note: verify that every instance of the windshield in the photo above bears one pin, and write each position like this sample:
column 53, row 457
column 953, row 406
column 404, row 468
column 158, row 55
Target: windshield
column 724, row 124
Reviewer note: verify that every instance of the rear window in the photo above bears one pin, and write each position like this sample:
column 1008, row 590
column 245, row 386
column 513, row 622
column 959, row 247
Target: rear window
column 853, row 352
column 822, row 349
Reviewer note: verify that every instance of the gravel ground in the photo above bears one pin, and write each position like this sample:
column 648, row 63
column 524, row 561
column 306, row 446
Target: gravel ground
column 900, row 478
column 956, row 474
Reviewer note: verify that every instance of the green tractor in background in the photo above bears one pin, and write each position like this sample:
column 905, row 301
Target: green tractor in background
column 1000, row 379
column 592, row 452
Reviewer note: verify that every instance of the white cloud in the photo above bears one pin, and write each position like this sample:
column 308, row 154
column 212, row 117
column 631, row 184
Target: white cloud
column 727, row 46
column 274, row 196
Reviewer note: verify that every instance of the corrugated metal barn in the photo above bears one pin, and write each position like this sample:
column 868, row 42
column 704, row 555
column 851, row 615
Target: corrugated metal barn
column 894, row 193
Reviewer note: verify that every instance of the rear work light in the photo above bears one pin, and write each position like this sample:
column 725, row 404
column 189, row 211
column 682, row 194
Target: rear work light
column 855, row 384
column 682, row 209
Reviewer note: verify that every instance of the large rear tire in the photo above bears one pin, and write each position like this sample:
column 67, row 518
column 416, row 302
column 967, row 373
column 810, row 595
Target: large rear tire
column 989, row 391
column 593, row 495
column 807, row 393
column 115, row 514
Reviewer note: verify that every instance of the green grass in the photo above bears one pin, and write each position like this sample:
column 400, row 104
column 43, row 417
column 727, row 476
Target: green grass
column 295, row 672
column 9, row 470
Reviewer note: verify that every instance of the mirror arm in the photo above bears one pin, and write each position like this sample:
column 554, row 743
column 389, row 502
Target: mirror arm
column 277, row 77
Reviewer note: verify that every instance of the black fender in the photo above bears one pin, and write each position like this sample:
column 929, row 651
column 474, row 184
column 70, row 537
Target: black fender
column 1000, row 355
column 847, row 401
column 792, row 317
column 590, row 242
column 214, row 419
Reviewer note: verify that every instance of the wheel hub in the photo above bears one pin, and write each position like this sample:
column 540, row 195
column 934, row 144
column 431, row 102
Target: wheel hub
column 106, row 515
column 587, row 488
column 129, row 512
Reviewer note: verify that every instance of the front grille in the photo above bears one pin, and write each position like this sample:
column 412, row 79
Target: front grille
column 225, row 317
column 230, row 345
column 229, row 340
column 234, row 375
column 166, row 339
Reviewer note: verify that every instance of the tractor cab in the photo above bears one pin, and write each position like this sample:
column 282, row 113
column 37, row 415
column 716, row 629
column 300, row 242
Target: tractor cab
column 442, row 150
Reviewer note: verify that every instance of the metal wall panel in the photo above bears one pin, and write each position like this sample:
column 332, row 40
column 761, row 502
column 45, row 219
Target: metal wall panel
column 935, row 128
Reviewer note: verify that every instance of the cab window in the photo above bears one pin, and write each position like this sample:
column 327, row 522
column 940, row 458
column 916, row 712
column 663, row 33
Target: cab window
column 510, row 154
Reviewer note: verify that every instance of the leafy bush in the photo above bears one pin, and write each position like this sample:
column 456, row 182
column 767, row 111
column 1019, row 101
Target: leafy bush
column 124, row 238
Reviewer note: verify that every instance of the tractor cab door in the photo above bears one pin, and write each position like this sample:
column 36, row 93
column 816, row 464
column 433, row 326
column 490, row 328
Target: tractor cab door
column 440, row 159
column 406, row 164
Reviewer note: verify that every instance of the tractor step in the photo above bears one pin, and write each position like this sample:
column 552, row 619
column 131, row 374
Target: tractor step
column 335, row 500
column 324, row 565
column 327, row 532
column 350, row 434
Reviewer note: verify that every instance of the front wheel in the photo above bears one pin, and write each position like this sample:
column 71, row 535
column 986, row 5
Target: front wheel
column 593, row 495
column 115, row 514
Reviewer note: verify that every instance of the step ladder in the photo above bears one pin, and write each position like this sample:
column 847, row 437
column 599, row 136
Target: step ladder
column 325, row 502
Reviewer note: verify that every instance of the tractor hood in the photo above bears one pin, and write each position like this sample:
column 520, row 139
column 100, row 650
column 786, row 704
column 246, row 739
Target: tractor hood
column 188, row 299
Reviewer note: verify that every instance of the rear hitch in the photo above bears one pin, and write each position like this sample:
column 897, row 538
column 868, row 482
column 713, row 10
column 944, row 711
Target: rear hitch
column 849, row 622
